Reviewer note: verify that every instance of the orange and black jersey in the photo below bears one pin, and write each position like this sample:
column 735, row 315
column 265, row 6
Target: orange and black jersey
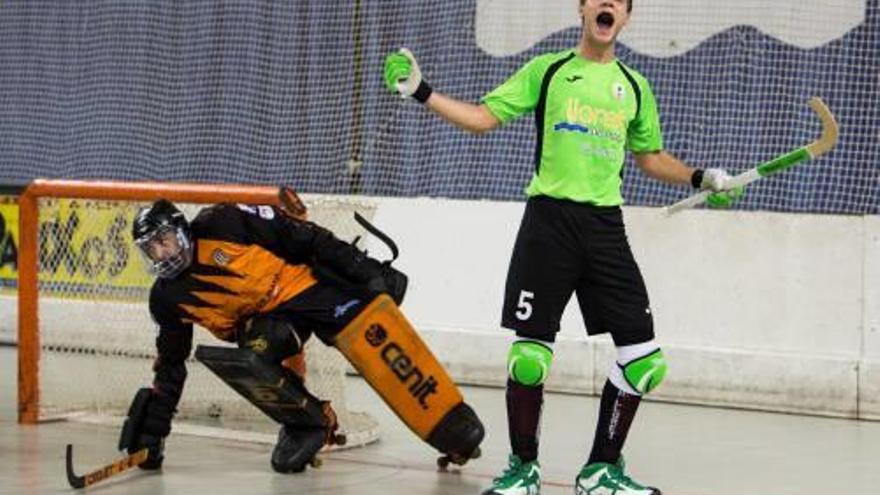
column 248, row 260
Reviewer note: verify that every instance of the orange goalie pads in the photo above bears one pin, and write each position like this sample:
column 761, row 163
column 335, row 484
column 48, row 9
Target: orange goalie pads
column 382, row 345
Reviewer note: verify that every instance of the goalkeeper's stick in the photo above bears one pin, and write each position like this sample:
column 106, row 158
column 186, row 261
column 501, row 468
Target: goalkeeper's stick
column 818, row 147
column 100, row 474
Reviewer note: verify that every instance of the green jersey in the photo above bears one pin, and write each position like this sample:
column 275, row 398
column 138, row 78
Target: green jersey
column 587, row 114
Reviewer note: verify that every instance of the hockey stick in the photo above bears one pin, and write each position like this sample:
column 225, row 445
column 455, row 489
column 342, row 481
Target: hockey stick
column 100, row 474
column 818, row 147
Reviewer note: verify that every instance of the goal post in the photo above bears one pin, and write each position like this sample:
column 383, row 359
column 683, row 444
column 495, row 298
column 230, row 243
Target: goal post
column 28, row 292
column 97, row 335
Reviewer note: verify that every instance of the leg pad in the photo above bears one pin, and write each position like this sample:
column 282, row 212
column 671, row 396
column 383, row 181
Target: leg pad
column 276, row 391
column 384, row 347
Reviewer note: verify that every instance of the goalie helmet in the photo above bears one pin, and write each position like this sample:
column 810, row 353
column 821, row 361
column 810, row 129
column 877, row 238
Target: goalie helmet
column 163, row 238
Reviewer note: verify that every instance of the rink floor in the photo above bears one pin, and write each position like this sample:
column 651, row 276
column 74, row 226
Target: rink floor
column 683, row 450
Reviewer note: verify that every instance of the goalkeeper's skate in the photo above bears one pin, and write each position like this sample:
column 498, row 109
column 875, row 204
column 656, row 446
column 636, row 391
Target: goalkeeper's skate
column 298, row 446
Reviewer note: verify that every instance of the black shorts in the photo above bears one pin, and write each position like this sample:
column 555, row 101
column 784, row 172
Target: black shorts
column 564, row 247
column 323, row 309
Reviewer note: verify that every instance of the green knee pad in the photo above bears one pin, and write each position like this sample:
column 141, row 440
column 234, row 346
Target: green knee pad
column 528, row 362
column 645, row 373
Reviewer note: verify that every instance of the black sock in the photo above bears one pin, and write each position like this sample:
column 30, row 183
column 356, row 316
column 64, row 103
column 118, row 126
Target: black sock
column 616, row 413
column 524, row 418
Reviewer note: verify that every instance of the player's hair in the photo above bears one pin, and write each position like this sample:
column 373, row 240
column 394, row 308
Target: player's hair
column 629, row 5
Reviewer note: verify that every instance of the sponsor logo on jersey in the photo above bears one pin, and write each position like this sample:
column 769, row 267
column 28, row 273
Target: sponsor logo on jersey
column 220, row 257
column 619, row 91
column 262, row 211
column 603, row 152
column 594, row 121
column 266, row 212
column 581, row 113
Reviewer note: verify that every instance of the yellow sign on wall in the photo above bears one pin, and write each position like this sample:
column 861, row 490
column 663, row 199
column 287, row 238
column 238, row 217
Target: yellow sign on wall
column 85, row 247
column 8, row 241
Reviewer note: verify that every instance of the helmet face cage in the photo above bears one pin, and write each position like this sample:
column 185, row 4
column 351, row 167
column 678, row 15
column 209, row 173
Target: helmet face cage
column 163, row 228
column 170, row 265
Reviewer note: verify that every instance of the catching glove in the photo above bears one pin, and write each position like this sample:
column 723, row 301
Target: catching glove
column 139, row 430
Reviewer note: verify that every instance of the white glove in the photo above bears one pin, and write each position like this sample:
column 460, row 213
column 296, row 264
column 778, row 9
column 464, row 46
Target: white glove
column 408, row 86
column 715, row 179
column 723, row 190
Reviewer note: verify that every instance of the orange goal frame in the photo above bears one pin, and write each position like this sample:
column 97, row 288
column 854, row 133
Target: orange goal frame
column 28, row 319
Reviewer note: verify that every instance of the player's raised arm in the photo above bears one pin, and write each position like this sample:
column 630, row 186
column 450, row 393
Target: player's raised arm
column 403, row 76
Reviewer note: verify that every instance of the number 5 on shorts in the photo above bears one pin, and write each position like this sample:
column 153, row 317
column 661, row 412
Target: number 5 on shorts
column 524, row 305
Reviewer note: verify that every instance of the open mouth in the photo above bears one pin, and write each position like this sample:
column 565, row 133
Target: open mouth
column 605, row 20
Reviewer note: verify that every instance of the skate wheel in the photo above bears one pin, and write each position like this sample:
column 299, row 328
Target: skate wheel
column 339, row 439
column 444, row 461
column 316, row 462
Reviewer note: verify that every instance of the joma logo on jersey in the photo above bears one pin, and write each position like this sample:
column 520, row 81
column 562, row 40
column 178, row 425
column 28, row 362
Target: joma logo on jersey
column 579, row 113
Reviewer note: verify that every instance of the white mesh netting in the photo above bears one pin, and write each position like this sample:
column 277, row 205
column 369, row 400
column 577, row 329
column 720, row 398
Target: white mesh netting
column 292, row 93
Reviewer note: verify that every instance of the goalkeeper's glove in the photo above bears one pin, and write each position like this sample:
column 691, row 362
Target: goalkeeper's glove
column 403, row 76
column 718, row 181
column 146, row 427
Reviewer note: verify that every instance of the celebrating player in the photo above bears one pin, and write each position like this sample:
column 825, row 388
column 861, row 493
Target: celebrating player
column 589, row 109
column 255, row 276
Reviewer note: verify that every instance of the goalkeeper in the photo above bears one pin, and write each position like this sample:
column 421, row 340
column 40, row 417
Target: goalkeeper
column 260, row 278
column 589, row 109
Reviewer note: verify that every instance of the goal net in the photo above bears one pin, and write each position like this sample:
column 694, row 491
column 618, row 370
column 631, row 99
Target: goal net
column 96, row 337
column 292, row 93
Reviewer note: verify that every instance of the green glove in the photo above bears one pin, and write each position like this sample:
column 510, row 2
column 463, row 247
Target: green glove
column 725, row 199
column 717, row 180
column 403, row 76
column 397, row 68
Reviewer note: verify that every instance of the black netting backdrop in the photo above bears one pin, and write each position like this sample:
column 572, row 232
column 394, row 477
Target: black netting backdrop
column 291, row 93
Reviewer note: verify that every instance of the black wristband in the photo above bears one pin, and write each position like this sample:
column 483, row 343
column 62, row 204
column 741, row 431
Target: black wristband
column 697, row 178
column 423, row 92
